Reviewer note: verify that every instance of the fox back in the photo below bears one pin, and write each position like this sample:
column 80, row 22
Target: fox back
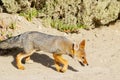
column 49, row 43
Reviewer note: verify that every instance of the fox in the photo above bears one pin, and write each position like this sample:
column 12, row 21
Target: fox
column 33, row 41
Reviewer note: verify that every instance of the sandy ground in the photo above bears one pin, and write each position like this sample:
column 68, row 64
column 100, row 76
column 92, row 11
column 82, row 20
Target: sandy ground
column 102, row 50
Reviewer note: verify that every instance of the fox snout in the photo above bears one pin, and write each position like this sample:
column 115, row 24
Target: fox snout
column 84, row 62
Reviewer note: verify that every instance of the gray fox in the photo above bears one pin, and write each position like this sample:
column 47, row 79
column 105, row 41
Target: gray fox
column 33, row 41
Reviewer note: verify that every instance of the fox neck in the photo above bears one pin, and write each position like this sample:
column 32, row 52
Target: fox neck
column 72, row 52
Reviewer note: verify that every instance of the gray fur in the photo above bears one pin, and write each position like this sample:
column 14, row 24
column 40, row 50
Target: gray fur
column 34, row 40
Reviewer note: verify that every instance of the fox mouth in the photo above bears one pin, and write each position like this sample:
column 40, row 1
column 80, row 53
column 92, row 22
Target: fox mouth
column 72, row 56
column 81, row 63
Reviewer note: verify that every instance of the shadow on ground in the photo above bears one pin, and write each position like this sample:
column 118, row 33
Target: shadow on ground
column 43, row 59
column 47, row 61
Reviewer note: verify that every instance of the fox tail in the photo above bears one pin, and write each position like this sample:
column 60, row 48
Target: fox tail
column 13, row 42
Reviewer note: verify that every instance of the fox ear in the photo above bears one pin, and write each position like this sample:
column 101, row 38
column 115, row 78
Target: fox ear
column 82, row 44
column 75, row 46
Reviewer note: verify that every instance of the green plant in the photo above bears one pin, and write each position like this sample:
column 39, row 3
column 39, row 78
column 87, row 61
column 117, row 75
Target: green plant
column 5, row 35
column 13, row 25
column 68, row 28
column 46, row 22
column 9, row 35
column 2, row 33
column 29, row 14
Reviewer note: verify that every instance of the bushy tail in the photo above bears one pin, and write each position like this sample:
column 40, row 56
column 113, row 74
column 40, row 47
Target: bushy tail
column 10, row 43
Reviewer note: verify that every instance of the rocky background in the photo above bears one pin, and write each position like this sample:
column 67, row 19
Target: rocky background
column 91, row 13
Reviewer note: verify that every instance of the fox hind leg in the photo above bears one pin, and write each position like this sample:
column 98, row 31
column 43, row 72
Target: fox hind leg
column 28, row 60
column 19, row 58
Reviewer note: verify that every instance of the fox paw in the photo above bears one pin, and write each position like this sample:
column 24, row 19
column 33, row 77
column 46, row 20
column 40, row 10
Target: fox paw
column 63, row 70
column 29, row 61
column 21, row 67
column 58, row 69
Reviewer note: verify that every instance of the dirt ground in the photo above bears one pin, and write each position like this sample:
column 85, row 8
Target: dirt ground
column 102, row 50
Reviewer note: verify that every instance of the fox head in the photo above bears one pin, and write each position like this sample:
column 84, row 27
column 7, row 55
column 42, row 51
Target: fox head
column 78, row 52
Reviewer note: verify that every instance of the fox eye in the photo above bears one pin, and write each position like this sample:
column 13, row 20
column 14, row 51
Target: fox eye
column 82, row 57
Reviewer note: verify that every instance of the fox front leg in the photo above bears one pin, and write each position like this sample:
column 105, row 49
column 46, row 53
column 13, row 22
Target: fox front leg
column 59, row 60
column 65, row 65
column 57, row 64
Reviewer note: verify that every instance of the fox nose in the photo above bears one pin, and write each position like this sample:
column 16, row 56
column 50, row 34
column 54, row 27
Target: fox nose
column 87, row 64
